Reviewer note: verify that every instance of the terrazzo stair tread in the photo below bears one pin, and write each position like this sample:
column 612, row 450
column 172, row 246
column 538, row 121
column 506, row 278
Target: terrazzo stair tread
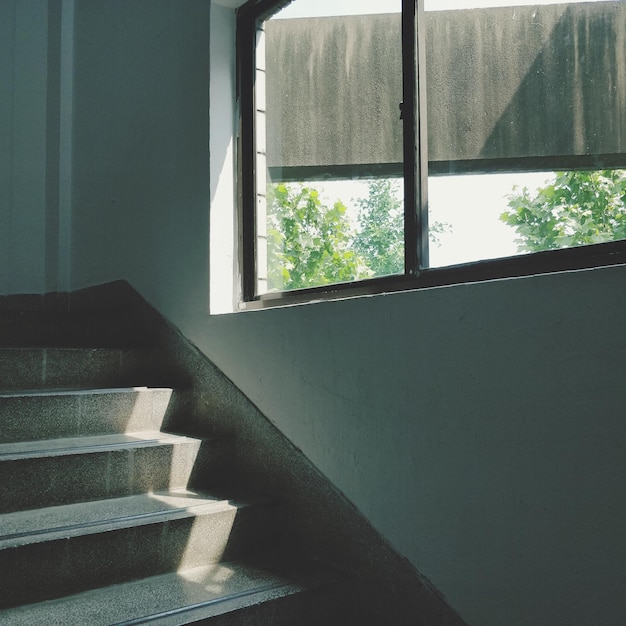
column 51, row 472
column 72, row 520
column 54, row 413
column 223, row 593
column 65, row 446
column 66, row 550
column 44, row 367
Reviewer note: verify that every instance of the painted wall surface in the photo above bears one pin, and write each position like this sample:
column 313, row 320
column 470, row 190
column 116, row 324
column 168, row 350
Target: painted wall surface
column 141, row 158
column 27, row 137
column 479, row 427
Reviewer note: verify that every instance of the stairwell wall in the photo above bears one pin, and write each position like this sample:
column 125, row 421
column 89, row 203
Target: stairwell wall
column 478, row 427
column 33, row 207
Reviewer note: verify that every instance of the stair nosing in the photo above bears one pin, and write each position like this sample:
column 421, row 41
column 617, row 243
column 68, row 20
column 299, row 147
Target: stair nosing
column 79, row 391
column 287, row 587
column 121, row 522
column 19, row 450
column 263, row 583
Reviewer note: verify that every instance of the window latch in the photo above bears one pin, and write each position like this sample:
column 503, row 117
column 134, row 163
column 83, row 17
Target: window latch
column 401, row 107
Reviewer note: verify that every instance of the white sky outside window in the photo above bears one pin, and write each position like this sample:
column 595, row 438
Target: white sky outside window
column 471, row 204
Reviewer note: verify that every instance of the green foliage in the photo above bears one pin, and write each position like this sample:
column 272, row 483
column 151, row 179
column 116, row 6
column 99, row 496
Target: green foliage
column 380, row 238
column 576, row 208
column 308, row 244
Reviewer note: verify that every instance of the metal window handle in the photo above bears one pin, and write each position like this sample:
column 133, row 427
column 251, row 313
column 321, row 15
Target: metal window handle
column 401, row 107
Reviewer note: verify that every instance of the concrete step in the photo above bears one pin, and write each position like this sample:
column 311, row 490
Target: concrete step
column 33, row 415
column 46, row 368
column 37, row 474
column 68, row 549
column 224, row 594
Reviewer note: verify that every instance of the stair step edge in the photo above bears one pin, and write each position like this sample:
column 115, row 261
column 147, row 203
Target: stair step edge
column 69, row 446
column 168, row 599
column 219, row 606
column 85, row 518
column 79, row 391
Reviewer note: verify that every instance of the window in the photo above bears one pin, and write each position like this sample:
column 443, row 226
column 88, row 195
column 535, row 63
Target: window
column 386, row 145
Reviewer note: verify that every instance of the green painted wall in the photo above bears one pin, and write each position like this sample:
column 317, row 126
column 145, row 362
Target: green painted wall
column 29, row 144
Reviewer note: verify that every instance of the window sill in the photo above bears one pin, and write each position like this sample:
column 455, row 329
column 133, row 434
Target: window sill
column 532, row 264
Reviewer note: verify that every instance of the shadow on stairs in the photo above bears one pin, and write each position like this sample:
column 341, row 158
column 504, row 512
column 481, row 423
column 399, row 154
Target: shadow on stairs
column 139, row 486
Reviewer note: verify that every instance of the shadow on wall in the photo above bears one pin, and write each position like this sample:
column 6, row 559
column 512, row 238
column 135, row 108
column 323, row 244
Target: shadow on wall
column 571, row 101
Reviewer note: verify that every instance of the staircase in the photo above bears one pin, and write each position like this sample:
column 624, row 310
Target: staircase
column 112, row 513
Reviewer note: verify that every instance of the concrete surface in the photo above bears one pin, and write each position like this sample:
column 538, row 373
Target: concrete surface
column 32, row 415
column 237, row 592
column 334, row 85
column 67, row 470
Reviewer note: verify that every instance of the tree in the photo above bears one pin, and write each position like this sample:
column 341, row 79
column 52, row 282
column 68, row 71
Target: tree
column 308, row 244
column 576, row 208
column 311, row 244
column 380, row 238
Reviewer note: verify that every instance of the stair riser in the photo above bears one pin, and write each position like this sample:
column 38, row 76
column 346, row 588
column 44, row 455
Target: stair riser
column 49, row 368
column 50, row 481
column 37, row 417
column 52, row 569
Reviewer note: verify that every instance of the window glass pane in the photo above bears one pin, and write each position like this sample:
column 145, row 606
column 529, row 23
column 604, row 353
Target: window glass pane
column 329, row 144
column 526, row 125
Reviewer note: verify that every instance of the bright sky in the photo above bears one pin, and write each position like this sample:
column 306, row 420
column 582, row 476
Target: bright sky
column 320, row 8
column 470, row 205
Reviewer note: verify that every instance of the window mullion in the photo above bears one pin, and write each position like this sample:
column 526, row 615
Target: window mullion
column 423, row 235
column 409, row 117
column 414, row 138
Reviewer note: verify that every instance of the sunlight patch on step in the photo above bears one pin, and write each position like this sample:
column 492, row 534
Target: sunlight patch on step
column 183, row 461
column 209, row 537
column 212, row 578
column 150, row 407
